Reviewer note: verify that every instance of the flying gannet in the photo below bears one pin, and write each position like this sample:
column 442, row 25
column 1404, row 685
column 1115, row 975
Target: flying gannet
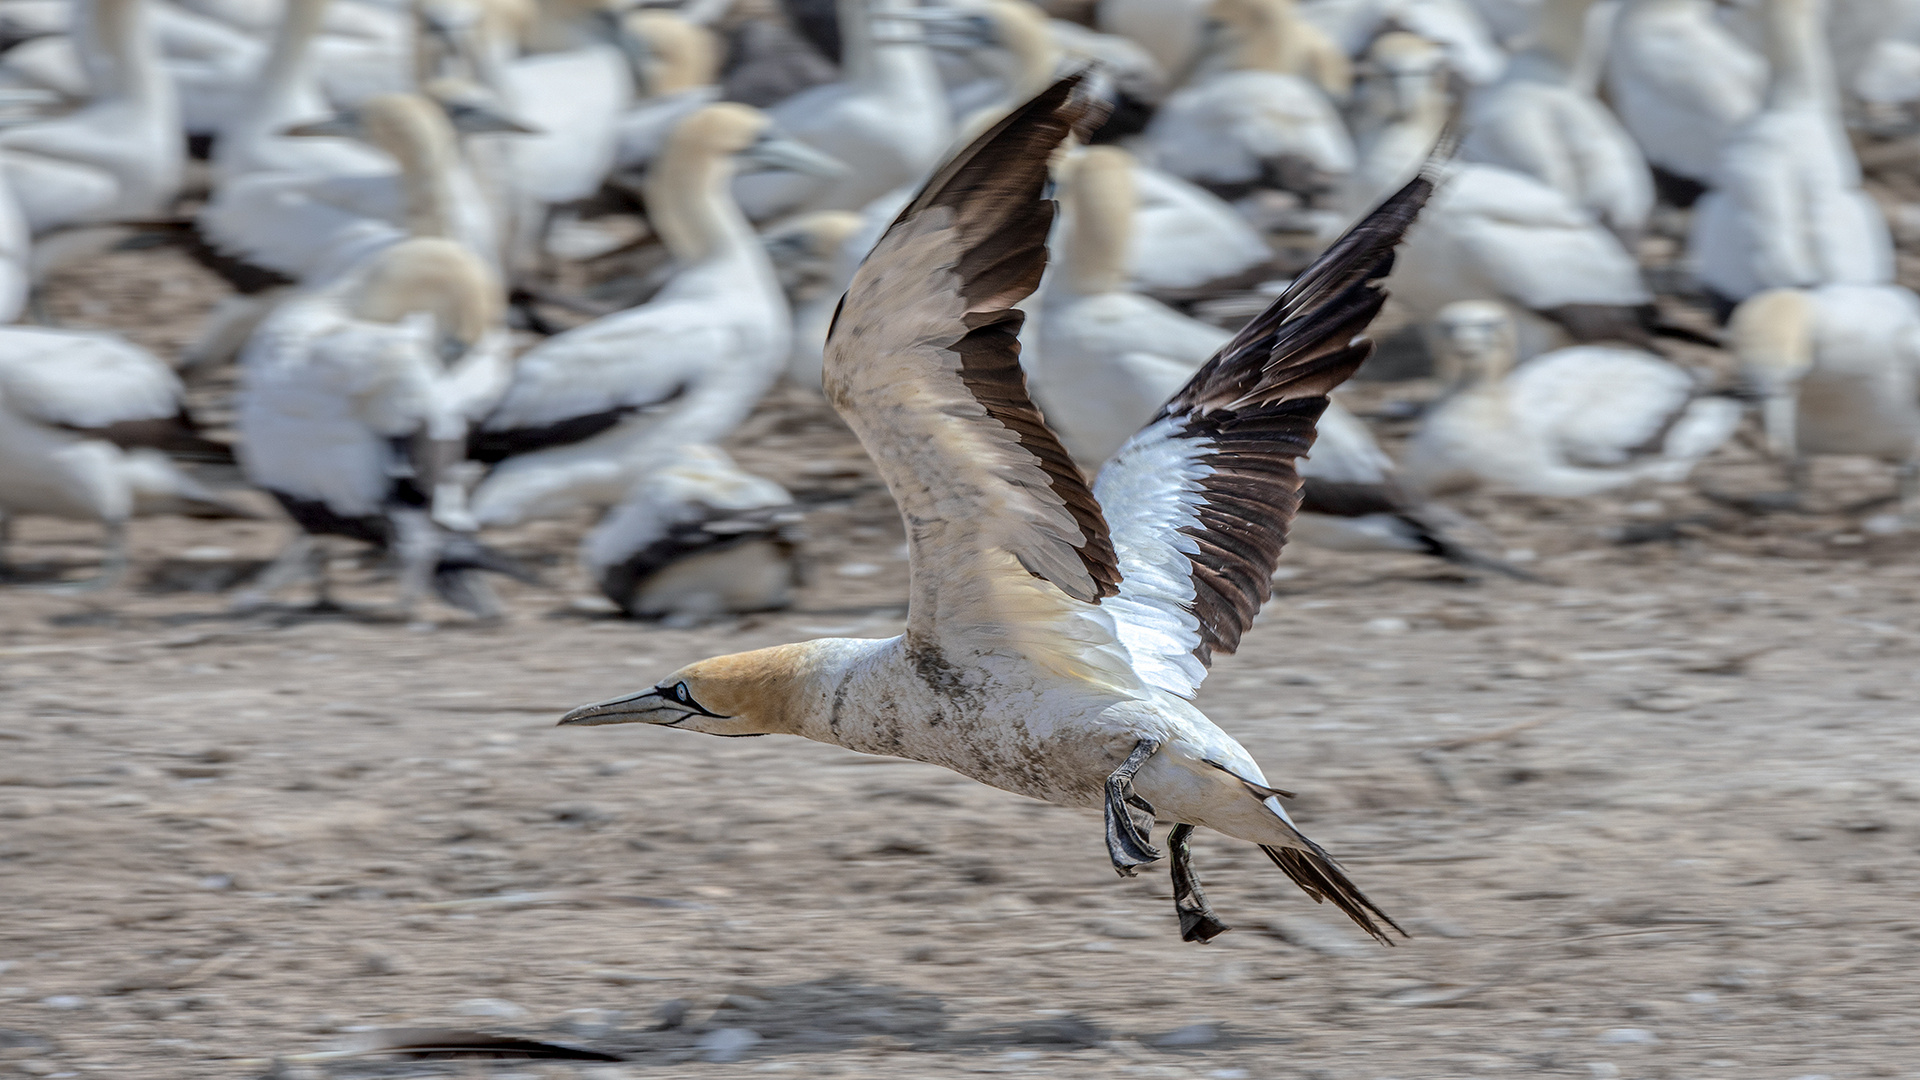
column 1053, row 648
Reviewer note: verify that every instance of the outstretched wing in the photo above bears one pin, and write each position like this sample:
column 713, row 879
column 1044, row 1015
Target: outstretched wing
column 923, row 361
column 1200, row 499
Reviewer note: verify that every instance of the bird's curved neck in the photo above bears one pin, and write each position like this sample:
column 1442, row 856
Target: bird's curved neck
column 690, row 200
column 1797, row 50
column 289, row 64
column 430, row 175
column 889, row 67
column 117, row 49
column 1268, row 41
column 1100, row 229
column 1558, row 32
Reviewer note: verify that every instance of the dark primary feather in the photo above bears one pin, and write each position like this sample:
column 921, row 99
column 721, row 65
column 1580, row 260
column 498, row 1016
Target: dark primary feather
column 176, row 436
column 1254, row 405
column 994, row 193
column 1321, row 878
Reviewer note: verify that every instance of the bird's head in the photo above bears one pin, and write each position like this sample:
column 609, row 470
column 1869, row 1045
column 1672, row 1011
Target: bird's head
column 750, row 693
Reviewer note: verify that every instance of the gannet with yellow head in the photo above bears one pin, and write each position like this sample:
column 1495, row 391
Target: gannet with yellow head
column 1053, row 647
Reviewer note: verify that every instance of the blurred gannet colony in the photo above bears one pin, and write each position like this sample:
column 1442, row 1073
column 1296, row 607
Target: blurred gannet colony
column 492, row 262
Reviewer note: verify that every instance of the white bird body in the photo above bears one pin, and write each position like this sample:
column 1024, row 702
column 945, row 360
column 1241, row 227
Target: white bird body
column 1788, row 209
column 1839, row 368
column 1171, row 31
column 1051, row 649
column 1536, row 121
column 573, row 100
column 1239, row 127
column 1455, row 26
column 283, row 93
column 684, row 368
column 888, row 119
column 1490, row 233
column 1573, row 422
column 312, row 225
column 326, row 387
column 1681, row 82
column 119, row 156
column 62, row 395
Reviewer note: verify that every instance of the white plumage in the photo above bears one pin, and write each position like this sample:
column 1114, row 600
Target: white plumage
column 1573, row 422
column 1681, row 82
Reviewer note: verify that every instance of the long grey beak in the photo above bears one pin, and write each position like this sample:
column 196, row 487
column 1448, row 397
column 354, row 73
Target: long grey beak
column 945, row 28
column 338, row 126
column 779, row 152
column 645, row 707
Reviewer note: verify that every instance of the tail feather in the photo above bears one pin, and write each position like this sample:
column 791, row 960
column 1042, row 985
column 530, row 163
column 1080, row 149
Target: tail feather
column 1435, row 531
column 1321, row 878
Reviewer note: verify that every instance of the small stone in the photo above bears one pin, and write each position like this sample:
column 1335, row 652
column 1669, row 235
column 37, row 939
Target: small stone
column 1190, row 1035
column 1702, row 997
column 671, row 1014
column 64, row 1001
column 1228, row 1074
column 374, row 962
column 1603, row 1070
column 494, row 1008
column 857, row 569
column 1388, row 626
column 36, row 1067
column 728, row 1044
column 1628, row 1035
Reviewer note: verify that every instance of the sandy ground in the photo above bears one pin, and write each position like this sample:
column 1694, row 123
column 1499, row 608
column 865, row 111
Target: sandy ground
column 1658, row 818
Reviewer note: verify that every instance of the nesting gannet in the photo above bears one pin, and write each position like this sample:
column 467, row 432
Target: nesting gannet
column 1264, row 121
column 591, row 410
column 286, row 93
column 1107, row 358
column 1539, row 120
column 1572, row 422
column 1172, row 31
column 815, row 255
column 1787, row 209
column 1052, row 648
column 887, row 118
column 309, row 226
column 86, row 426
column 119, row 156
column 1681, row 83
column 1455, row 26
column 1490, row 233
column 1838, row 368
column 697, row 538
column 355, row 399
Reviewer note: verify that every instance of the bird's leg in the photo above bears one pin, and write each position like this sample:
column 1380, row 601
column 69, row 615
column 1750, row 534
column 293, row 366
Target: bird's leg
column 417, row 543
column 1128, row 845
column 6, row 537
column 1197, row 921
column 296, row 560
column 113, row 565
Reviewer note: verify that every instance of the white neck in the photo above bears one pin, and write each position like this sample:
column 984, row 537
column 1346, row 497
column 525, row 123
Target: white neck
column 289, row 65
column 893, row 67
column 690, row 199
column 117, row 48
column 1101, row 226
column 1797, row 50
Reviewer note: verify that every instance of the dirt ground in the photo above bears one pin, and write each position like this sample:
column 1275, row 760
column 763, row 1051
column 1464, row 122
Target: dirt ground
column 1656, row 817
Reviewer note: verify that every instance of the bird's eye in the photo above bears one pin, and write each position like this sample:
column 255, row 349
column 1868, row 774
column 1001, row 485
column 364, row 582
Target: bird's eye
column 681, row 695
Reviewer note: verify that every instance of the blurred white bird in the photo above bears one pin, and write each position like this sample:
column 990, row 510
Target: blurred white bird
column 1787, row 208
column 1570, row 423
column 1839, row 371
column 1682, row 83
column 593, row 409
column 355, row 400
column 87, row 423
column 1540, row 120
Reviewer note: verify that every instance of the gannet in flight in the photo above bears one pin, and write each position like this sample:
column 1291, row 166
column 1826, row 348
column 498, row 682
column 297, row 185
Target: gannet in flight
column 1052, row 648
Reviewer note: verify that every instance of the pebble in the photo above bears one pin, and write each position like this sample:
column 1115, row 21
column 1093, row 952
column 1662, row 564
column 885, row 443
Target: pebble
column 1228, row 1074
column 856, row 569
column 1603, row 1070
column 1628, row 1035
column 1388, row 626
column 495, row 1008
column 1190, row 1035
column 728, row 1044
column 671, row 1014
column 64, row 1001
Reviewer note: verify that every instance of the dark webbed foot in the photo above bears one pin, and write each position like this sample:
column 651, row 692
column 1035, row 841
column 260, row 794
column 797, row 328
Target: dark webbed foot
column 1128, row 844
column 1197, row 921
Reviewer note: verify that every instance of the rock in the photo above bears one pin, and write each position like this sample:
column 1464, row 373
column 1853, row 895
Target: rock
column 377, row 962
column 1388, row 626
column 593, row 1023
column 1628, row 1035
column 722, row 1045
column 65, row 1001
column 1189, row 1036
column 671, row 1014
column 495, row 1008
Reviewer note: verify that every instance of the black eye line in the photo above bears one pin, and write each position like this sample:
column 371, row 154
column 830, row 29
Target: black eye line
column 680, row 695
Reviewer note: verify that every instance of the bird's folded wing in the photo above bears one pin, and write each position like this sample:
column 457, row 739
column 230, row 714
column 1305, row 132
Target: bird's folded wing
column 1201, row 498
column 83, row 381
column 615, row 364
column 923, row 362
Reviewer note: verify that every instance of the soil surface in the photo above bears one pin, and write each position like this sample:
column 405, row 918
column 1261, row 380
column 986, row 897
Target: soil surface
column 1655, row 816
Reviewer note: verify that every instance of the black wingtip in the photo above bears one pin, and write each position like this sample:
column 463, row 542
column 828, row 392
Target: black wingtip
column 1321, row 878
